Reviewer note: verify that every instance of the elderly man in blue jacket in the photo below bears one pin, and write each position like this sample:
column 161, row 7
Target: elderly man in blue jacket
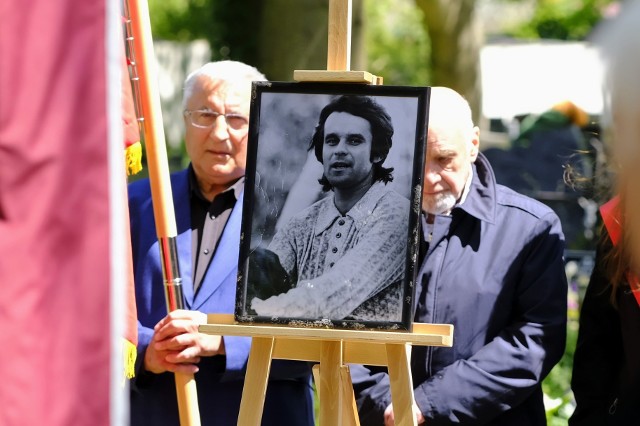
column 207, row 196
column 492, row 266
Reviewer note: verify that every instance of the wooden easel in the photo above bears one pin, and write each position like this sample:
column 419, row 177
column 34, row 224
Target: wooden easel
column 331, row 348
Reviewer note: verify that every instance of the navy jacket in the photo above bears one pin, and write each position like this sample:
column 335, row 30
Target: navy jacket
column 606, row 364
column 494, row 270
column 219, row 382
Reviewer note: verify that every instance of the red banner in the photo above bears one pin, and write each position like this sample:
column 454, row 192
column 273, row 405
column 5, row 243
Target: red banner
column 56, row 269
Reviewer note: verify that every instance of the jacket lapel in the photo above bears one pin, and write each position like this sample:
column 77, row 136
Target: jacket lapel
column 225, row 260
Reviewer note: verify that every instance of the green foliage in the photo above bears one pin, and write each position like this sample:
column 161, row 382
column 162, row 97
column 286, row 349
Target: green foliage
column 182, row 20
column 397, row 44
column 557, row 385
column 223, row 23
column 562, row 19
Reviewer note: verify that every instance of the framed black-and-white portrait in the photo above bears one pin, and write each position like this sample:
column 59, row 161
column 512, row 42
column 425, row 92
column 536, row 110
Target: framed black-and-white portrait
column 331, row 205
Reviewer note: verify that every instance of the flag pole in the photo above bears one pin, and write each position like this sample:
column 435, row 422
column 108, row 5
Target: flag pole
column 158, row 165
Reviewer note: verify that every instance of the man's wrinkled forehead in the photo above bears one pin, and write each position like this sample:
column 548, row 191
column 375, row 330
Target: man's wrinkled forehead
column 231, row 92
column 447, row 137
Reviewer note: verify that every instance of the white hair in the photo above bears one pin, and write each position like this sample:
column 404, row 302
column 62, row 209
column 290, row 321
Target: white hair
column 232, row 72
column 448, row 109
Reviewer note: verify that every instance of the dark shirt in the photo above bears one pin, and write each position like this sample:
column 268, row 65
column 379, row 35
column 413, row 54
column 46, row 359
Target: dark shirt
column 606, row 367
column 208, row 219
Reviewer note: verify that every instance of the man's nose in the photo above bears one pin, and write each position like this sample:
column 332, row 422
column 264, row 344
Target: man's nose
column 431, row 176
column 220, row 129
column 341, row 148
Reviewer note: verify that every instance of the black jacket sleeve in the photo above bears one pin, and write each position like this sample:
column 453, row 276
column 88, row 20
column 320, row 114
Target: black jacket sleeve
column 598, row 352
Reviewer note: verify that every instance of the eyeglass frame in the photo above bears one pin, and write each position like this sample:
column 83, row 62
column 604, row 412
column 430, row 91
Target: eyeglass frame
column 189, row 112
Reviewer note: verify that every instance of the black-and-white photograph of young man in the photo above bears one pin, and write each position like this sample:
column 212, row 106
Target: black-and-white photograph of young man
column 338, row 249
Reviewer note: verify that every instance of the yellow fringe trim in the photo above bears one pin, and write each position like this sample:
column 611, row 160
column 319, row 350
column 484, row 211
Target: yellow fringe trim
column 133, row 158
column 129, row 353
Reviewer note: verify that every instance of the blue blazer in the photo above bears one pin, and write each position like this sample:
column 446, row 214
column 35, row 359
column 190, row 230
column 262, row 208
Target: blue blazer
column 289, row 398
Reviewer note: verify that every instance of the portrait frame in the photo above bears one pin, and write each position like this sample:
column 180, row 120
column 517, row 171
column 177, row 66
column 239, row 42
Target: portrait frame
column 286, row 274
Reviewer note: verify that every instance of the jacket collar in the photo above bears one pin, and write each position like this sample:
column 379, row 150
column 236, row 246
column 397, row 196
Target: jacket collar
column 481, row 201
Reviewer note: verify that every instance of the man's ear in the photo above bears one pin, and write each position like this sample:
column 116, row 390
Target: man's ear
column 377, row 159
column 474, row 144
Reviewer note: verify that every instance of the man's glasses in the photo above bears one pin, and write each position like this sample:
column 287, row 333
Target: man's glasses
column 205, row 119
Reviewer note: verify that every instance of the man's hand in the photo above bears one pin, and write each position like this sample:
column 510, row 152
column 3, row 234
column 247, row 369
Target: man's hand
column 389, row 419
column 177, row 346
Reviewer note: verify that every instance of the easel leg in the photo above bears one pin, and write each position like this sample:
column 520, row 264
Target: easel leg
column 399, row 357
column 349, row 408
column 257, row 376
column 316, row 378
column 329, row 386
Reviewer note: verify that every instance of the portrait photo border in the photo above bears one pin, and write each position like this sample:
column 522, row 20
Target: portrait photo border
column 421, row 94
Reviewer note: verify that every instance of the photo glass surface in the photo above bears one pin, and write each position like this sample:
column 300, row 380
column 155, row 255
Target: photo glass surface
column 331, row 205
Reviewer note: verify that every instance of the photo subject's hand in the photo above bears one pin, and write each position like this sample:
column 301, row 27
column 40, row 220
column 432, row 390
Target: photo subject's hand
column 177, row 345
column 297, row 302
column 389, row 418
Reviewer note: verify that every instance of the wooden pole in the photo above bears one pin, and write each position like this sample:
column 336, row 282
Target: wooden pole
column 339, row 52
column 158, row 166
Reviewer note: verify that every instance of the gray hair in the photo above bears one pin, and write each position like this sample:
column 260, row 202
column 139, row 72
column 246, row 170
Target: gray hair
column 233, row 72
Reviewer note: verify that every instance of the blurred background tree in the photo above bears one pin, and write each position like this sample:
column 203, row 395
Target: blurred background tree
column 456, row 36
column 396, row 45
column 562, row 19
column 408, row 42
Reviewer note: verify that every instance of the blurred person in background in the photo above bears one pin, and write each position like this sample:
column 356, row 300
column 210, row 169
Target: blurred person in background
column 545, row 145
column 548, row 148
column 606, row 369
column 548, row 142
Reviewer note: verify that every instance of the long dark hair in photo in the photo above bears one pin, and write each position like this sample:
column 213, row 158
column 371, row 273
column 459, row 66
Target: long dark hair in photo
column 381, row 131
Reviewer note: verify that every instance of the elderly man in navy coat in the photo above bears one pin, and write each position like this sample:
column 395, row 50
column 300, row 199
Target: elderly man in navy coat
column 492, row 266
column 208, row 202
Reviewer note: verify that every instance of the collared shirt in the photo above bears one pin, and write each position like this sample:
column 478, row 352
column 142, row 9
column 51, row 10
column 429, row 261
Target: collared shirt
column 208, row 219
column 427, row 219
column 467, row 186
column 347, row 259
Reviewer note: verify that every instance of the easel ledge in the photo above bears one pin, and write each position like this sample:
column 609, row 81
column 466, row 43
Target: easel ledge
column 325, row 76
column 369, row 340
